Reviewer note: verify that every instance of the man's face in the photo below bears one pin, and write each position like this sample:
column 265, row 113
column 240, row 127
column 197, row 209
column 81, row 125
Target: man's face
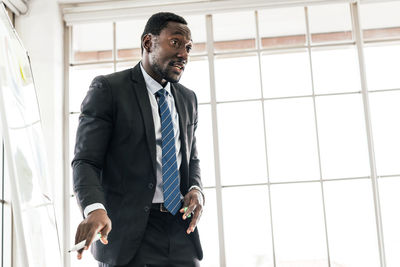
column 170, row 51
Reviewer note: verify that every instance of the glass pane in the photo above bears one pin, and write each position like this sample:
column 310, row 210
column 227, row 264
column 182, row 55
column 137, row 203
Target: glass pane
column 286, row 74
column 205, row 146
column 208, row 230
column 351, row 223
column 92, row 42
column 80, row 78
column 248, row 240
column 342, row 136
column 291, row 140
column 382, row 65
column 282, row 27
column 335, row 71
column 390, row 199
column 234, row 31
column 197, row 26
column 298, row 221
column 73, row 126
column 197, row 78
column 380, row 20
column 126, row 65
column 241, row 143
column 228, row 87
column 330, row 23
column 385, row 114
column 128, row 38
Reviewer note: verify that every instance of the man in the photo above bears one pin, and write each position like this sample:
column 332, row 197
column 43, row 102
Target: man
column 135, row 163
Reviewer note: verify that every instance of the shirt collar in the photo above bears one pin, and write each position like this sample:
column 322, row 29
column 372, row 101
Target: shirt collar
column 152, row 85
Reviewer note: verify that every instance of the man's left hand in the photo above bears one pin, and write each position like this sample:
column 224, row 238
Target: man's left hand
column 193, row 201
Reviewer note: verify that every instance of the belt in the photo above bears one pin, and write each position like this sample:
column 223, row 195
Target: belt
column 159, row 207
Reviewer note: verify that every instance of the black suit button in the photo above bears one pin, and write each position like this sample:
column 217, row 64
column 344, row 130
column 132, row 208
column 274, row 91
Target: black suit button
column 150, row 185
column 146, row 208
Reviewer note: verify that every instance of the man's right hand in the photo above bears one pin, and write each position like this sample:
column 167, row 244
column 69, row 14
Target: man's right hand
column 96, row 222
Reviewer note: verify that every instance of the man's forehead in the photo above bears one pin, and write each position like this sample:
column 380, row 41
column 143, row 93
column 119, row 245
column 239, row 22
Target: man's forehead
column 178, row 28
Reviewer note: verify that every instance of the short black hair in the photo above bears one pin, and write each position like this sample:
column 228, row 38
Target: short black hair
column 158, row 22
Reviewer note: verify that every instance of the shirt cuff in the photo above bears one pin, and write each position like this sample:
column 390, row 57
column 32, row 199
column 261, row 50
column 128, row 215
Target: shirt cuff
column 200, row 190
column 92, row 207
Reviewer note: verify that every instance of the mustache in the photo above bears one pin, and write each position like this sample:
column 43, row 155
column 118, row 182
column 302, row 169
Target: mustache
column 172, row 63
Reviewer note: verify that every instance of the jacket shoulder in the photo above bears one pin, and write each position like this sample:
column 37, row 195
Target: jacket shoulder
column 184, row 90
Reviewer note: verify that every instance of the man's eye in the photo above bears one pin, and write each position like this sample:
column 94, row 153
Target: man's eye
column 174, row 42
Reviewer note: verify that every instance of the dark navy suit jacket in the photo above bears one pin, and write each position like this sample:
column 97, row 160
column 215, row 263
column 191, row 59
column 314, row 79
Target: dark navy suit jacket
column 115, row 158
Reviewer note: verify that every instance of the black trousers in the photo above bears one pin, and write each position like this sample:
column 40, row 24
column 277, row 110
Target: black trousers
column 165, row 244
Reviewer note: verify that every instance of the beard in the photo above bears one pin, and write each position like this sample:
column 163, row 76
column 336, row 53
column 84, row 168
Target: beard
column 163, row 72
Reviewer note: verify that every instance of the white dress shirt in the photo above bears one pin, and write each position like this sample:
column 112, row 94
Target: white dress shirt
column 152, row 87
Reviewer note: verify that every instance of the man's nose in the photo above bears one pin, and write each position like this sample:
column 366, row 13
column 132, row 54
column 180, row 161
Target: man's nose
column 183, row 53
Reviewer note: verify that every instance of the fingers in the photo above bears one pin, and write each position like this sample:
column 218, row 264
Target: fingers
column 196, row 218
column 104, row 233
column 79, row 236
column 189, row 209
column 186, row 201
column 96, row 222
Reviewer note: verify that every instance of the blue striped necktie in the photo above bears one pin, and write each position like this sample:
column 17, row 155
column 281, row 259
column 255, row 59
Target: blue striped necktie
column 170, row 173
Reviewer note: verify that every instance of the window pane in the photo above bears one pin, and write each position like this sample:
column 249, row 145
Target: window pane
column 234, row 31
column 248, row 240
column 351, row 223
column 291, row 139
column 237, row 78
column 241, row 143
column 382, row 64
column 385, row 113
column 298, row 221
column 342, row 135
column 79, row 81
column 390, row 198
column 205, row 145
column 197, row 26
column 380, row 20
column 197, row 78
column 208, row 230
column 128, row 38
column 286, row 74
column 282, row 27
column 73, row 126
column 330, row 23
column 126, row 65
column 92, row 42
column 335, row 71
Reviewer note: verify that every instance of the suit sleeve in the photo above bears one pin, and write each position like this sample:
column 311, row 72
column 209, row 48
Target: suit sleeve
column 92, row 139
column 194, row 162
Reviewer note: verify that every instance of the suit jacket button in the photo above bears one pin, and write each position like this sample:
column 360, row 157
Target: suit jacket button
column 146, row 208
column 151, row 185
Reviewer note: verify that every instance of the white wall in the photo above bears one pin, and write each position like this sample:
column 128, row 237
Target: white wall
column 41, row 32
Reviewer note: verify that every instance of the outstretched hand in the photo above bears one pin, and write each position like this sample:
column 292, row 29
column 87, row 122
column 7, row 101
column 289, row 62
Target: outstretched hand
column 192, row 203
column 96, row 222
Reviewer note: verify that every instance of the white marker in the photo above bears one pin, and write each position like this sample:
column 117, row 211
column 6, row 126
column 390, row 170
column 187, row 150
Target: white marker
column 81, row 244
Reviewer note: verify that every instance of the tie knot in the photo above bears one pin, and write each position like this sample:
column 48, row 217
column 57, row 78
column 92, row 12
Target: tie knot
column 161, row 92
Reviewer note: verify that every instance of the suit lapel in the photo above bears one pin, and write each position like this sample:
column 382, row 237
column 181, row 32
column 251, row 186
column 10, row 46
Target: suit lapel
column 145, row 108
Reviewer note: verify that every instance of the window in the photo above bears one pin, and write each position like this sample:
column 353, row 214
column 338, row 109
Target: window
column 282, row 135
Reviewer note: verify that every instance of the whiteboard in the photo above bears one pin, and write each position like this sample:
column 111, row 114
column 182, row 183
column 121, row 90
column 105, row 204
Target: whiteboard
column 33, row 208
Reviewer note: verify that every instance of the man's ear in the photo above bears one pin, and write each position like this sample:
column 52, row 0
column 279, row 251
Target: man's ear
column 147, row 42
